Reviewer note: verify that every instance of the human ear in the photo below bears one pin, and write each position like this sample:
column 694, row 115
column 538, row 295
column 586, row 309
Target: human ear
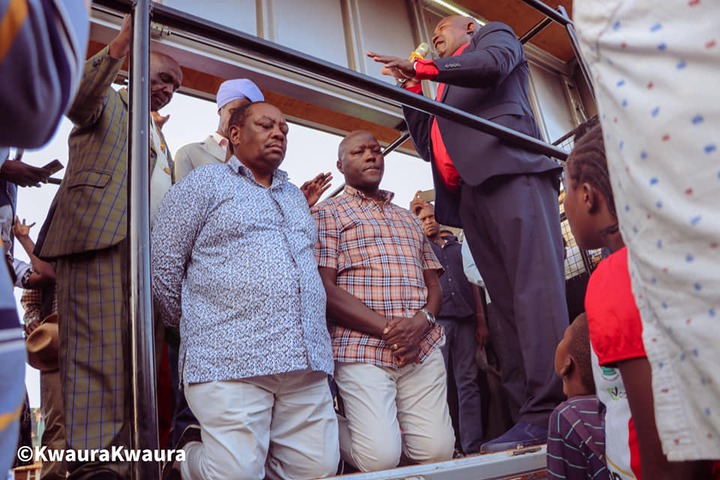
column 590, row 199
column 566, row 367
column 339, row 166
column 233, row 133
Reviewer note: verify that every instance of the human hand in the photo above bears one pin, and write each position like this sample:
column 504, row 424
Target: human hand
column 21, row 230
column 417, row 204
column 407, row 356
column 395, row 66
column 120, row 45
column 402, row 333
column 30, row 327
column 482, row 334
column 313, row 189
column 159, row 120
column 24, row 175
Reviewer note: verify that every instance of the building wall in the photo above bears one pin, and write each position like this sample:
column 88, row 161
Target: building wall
column 341, row 31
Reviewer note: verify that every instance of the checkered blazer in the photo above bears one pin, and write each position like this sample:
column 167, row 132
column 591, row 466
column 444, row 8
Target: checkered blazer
column 89, row 211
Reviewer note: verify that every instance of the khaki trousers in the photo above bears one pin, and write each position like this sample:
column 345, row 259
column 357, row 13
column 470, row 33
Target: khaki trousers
column 277, row 426
column 381, row 403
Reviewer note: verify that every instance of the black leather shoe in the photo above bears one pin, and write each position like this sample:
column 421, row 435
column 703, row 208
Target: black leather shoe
column 520, row 436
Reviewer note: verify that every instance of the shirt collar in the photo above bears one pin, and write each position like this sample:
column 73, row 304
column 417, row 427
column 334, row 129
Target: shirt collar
column 222, row 141
column 460, row 50
column 385, row 195
column 279, row 177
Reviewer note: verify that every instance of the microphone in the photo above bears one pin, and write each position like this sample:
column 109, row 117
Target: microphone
column 417, row 54
column 420, row 52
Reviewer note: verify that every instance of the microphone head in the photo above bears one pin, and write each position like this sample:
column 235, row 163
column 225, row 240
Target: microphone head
column 422, row 50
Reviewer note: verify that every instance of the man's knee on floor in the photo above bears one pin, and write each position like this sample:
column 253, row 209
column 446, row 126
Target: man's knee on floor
column 438, row 447
column 320, row 466
column 380, row 456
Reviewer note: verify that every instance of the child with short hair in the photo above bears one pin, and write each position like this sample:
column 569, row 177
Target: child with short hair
column 620, row 366
column 576, row 439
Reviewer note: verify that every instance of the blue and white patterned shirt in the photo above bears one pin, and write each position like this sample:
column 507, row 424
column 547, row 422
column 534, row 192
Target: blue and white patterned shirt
column 232, row 262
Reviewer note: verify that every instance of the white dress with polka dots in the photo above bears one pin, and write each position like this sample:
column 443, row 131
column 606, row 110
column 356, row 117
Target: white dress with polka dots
column 656, row 68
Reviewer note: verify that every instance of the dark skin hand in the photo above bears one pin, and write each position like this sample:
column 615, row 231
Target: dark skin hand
column 24, row 175
column 481, row 334
column 43, row 273
column 406, row 333
column 313, row 189
column 350, row 312
column 636, row 375
column 395, row 66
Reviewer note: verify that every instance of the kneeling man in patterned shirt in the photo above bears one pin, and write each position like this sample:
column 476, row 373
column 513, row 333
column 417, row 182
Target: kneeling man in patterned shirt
column 381, row 278
column 233, row 259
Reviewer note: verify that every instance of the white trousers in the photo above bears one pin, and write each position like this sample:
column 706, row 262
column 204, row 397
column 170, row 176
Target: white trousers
column 383, row 403
column 278, row 426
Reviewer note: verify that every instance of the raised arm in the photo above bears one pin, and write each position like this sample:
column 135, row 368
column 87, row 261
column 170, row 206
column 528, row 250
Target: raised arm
column 43, row 273
column 100, row 71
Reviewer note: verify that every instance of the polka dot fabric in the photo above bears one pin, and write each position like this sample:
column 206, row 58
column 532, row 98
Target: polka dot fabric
column 656, row 68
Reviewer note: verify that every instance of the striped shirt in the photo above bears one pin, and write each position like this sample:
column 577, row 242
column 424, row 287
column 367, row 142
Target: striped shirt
column 576, row 441
column 379, row 251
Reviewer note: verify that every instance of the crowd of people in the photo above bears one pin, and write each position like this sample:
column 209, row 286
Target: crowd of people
column 301, row 332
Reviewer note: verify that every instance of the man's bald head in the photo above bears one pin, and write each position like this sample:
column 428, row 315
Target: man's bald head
column 165, row 79
column 452, row 33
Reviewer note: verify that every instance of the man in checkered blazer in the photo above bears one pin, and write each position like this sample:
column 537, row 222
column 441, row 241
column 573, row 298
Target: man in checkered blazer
column 85, row 234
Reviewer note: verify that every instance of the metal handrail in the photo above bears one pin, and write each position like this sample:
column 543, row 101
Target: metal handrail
column 352, row 80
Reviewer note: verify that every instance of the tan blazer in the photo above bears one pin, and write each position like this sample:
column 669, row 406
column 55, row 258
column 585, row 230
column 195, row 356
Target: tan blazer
column 194, row 155
column 89, row 211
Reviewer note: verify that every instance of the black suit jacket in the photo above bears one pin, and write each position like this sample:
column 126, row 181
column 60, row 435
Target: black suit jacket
column 489, row 79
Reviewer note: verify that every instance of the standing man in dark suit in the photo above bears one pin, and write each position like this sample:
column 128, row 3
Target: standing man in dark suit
column 504, row 197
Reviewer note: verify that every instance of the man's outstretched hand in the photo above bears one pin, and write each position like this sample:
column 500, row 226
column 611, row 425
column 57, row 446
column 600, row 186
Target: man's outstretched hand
column 399, row 68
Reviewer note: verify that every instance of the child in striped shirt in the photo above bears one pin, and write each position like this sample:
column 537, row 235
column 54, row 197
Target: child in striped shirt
column 576, row 438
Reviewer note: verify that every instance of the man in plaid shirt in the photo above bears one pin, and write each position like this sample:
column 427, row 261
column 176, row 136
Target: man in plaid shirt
column 381, row 278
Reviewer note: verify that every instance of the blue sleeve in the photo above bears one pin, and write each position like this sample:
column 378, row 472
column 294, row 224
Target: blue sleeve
column 178, row 223
column 42, row 49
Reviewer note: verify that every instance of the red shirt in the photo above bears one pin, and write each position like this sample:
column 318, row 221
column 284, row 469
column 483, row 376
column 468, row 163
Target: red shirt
column 427, row 70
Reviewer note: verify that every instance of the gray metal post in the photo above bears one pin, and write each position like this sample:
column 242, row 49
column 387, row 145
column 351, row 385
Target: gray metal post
column 144, row 401
column 575, row 44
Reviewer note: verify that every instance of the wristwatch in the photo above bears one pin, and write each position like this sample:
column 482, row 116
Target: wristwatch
column 429, row 316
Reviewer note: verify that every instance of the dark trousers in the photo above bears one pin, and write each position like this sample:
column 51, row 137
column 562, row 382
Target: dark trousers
column 512, row 371
column 459, row 354
column 512, row 224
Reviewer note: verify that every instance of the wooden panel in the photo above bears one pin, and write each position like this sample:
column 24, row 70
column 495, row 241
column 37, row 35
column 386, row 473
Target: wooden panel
column 521, row 18
column 294, row 109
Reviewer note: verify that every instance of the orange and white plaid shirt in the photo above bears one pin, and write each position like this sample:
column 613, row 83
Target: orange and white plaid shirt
column 379, row 252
